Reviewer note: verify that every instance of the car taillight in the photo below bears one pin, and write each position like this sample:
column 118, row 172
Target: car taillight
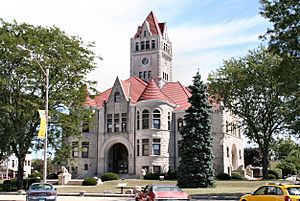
column 33, row 194
column 51, row 193
column 287, row 198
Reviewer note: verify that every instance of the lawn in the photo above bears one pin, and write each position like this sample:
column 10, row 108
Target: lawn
column 222, row 187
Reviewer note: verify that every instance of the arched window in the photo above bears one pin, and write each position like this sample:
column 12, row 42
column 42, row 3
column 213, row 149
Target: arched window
column 179, row 124
column 145, row 119
column 117, row 97
column 156, row 119
column 138, row 120
column 86, row 167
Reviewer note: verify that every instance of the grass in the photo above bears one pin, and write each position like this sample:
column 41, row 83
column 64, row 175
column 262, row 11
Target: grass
column 222, row 187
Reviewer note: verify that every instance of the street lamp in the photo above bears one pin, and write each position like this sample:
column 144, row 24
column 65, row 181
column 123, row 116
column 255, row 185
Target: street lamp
column 46, row 73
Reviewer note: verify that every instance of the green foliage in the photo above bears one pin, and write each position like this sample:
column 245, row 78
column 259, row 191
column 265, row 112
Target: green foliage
column 291, row 163
column 151, row 176
column 285, row 17
column 22, row 86
column 109, row 176
column 271, row 176
column 282, row 147
column 223, row 176
column 252, row 157
column 36, row 174
column 250, row 88
column 236, row 176
column 284, row 40
column 273, row 172
column 196, row 164
column 89, row 181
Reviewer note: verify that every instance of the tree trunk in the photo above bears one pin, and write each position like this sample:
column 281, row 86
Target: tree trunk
column 20, row 174
column 265, row 163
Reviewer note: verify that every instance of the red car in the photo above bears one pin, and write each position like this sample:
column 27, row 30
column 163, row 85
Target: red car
column 162, row 193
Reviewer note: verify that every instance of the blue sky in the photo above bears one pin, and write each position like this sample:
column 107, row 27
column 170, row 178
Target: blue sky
column 203, row 32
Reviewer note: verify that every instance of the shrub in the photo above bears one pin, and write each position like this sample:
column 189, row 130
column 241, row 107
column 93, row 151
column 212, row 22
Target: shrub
column 273, row 172
column 236, row 175
column 151, row 176
column 89, row 181
column 171, row 175
column 109, row 176
column 36, row 174
column 271, row 176
column 223, row 176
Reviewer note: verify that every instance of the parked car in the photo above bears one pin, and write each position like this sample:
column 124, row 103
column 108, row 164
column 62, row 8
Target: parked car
column 162, row 192
column 52, row 176
column 41, row 192
column 274, row 192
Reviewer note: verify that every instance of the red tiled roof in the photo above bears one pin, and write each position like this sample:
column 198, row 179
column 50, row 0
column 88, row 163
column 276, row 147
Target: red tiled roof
column 153, row 92
column 133, row 88
column 178, row 93
column 156, row 28
column 102, row 97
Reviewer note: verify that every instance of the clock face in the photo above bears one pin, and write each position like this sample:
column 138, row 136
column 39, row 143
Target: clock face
column 145, row 60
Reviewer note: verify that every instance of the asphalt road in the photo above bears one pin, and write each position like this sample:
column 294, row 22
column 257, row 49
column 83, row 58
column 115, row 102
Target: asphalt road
column 86, row 198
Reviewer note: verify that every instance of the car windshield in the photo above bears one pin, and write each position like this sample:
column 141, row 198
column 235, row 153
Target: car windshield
column 294, row 190
column 165, row 188
column 41, row 187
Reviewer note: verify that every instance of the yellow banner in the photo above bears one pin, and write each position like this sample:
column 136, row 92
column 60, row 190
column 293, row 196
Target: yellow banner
column 43, row 128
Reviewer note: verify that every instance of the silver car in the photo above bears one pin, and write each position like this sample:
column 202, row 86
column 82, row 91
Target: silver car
column 41, row 192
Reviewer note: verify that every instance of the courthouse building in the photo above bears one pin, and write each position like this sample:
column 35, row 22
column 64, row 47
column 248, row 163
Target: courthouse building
column 137, row 121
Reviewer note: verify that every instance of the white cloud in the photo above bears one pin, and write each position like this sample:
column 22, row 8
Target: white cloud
column 111, row 24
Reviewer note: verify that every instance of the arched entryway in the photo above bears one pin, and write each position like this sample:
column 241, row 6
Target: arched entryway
column 234, row 157
column 118, row 159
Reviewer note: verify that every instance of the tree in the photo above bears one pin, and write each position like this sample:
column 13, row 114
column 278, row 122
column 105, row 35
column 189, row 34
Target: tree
column 250, row 89
column 291, row 163
column 22, row 85
column 252, row 157
column 284, row 40
column 283, row 147
column 285, row 16
column 196, row 164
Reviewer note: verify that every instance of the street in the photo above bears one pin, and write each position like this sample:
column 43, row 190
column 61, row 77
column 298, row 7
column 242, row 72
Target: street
column 78, row 198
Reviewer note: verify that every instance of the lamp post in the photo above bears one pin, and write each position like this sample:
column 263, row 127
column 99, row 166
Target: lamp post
column 46, row 73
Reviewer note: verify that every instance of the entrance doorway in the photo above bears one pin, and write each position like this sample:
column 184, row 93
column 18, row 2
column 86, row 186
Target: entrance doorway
column 118, row 159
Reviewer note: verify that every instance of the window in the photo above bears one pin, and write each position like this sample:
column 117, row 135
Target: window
column 156, row 147
column 169, row 120
column 145, row 119
column 137, row 46
column 149, row 74
column 153, row 44
column 117, row 97
column 156, row 169
column 117, row 123
column 124, row 122
column 138, row 120
column 145, row 33
column 85, row 149
column 156, row 119
column 85, row 127
column 86, row 167
column 12, row 163
column 227, row 125
column 75, row 146
column 142, row 45
column 227, row 152
column 145, row 74
column 179, row 124
column 109, row 123
column 145, row 147
column 240, row 154
column 138, row 147
column 147, row 45
column 140, row 74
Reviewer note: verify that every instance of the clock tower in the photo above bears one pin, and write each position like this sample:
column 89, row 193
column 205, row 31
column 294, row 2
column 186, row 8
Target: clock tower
column 151, row 52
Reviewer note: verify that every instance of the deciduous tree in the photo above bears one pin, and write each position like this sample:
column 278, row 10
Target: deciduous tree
column 250, row 89
column 22, row 84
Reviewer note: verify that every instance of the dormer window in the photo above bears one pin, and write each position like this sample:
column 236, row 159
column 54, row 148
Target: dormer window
column 117, row 97
column 147, row 45
column 137, row 46
column 145, row 33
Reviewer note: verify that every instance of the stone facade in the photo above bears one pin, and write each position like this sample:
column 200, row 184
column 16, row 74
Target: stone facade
column 137, row 121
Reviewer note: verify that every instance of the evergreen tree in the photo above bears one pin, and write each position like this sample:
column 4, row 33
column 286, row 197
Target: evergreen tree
column 196, row 165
